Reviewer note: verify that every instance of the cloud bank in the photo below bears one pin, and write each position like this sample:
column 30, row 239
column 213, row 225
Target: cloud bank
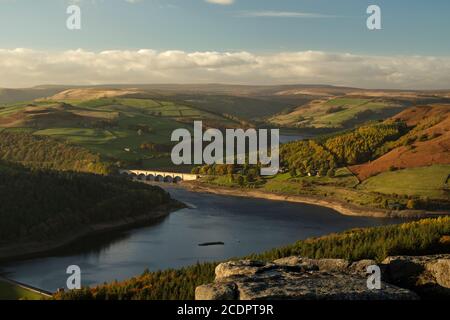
column 28, row 67
column 221, row 2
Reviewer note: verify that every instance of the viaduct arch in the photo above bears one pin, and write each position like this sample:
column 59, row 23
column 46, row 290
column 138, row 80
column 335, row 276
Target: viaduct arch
column 161, row 176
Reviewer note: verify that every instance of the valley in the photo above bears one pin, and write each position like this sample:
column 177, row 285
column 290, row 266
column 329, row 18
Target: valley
column 377, row 157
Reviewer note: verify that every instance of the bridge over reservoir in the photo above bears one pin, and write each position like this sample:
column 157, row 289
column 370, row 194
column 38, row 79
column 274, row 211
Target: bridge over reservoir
column 162, row 176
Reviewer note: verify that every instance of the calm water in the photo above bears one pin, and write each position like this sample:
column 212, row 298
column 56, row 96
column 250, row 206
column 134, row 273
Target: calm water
column 244, row 225
column 295, row 137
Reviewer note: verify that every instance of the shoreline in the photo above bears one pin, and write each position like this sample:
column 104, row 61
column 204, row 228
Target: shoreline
column 34, row 249
column 43, row 293
column 346, row 209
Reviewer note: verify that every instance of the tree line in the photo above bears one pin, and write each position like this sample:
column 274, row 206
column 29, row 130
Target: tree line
column 38, row 205
column 321, row 156
column 48, row 153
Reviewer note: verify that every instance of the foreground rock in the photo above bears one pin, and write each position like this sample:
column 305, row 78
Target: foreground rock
column 429, row 276
column 296, row 278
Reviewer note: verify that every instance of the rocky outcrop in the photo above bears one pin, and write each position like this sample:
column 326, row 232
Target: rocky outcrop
column 297, row 278
column 429, row 276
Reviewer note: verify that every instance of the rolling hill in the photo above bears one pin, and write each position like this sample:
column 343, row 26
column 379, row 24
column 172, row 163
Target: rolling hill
column 427, row 142
column 109, row 122
column 93, row 93
column 27, row 94
column 116, row 120
column 355, row 107
column 294, row 106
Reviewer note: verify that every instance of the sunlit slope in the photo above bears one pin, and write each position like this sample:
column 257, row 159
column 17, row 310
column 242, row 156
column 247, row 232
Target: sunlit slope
column 127, row 129
column 9, row 291
column 426, row 143
column 338, row 112
column 431, row 181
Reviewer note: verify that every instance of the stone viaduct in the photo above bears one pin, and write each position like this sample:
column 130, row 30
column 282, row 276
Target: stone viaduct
column 161, row 176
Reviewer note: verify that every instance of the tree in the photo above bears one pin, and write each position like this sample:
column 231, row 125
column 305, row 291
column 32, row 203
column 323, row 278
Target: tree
column 412, row 204
column 220, row 169
column 195, row 170
column 322, row 171
column 301, row 171
column 251, row 175
column 293, row 172
column 331, row 173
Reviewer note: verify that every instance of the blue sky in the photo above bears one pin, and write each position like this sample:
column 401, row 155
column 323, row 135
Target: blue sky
column 409, row 27
column 241, row 41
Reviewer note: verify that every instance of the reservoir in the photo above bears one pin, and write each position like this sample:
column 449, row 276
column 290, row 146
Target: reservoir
column 243, row 225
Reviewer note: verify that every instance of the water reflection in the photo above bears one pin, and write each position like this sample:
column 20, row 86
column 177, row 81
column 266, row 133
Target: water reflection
column 244, row 225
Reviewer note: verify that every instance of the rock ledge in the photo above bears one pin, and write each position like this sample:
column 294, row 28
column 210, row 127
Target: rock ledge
column 327, row 279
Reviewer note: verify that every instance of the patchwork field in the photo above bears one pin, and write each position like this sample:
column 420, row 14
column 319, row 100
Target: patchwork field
column 120, row 122
column 119, row 128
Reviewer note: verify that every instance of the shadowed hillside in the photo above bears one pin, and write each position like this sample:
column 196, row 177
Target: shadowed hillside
column 47, row 153
column 40, row 205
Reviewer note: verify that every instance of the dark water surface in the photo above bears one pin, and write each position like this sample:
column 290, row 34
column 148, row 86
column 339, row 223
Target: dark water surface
column 244, row 225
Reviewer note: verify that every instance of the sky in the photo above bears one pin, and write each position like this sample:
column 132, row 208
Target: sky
column 226, row 41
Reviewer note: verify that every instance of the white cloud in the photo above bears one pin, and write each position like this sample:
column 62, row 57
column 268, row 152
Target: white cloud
column 221, row 2
column 27, row 67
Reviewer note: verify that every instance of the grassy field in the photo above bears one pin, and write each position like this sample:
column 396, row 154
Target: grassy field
column 9, row 291
column 338, row 113
column 424, row 181
column 109, row 126
column 341, row 187
column 346, row 102
column 385, row 191
column 79, row 135
column 245, row 108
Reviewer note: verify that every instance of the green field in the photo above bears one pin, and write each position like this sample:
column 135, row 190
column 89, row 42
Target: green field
column 341, row 187
column 346, row 102
column 109, row 126
column 284, row 182
column 338, row 118
column 79, row 135
column 147, row 106
column 245, row 108
column 349, row 110
column 338, row 113
column 389, row 190
column 424, row 181
column 9, row 291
